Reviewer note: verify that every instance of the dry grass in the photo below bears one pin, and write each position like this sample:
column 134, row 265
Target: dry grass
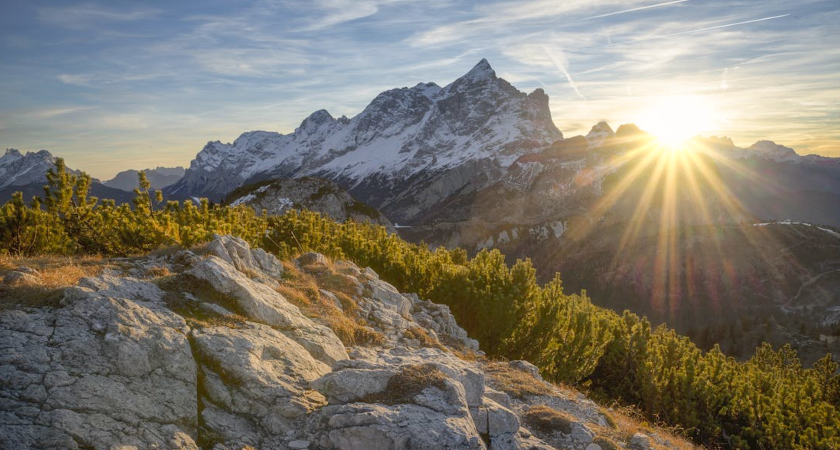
column 304, row 290
column 547, row 420
column 47, row 286
column 423, row 337
column 514, row 382
column 158, row 272
column 624, row 422
column 408, row 383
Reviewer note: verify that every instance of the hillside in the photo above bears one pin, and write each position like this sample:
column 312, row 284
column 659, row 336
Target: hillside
column 226, row 346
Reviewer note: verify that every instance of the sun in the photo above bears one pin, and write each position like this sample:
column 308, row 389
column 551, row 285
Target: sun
column 678, row 118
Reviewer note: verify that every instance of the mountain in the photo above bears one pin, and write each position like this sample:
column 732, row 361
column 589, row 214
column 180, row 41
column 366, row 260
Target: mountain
column 17, row 169
column 160, row 178
column 28, row 174
column 409, row 149
column 276, row 197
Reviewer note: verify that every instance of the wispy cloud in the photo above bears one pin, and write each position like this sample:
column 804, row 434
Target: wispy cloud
column 79, row 17
column 631, row 10
column 716, row 27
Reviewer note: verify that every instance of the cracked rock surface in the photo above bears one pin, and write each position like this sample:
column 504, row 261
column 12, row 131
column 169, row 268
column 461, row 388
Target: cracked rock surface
column 213, row 356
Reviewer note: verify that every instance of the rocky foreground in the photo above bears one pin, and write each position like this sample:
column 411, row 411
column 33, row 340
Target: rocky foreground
column 226, row 347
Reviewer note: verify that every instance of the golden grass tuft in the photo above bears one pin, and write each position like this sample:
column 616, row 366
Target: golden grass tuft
column 423, row 337
column 624, row 422
column 547, row 420
column 514, row 382
column 158, row 272
column 304, row 290
column 46, row 288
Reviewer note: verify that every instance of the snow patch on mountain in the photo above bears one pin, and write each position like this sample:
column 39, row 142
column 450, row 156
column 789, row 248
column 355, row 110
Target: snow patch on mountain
column 402, row 133
column 17, row 169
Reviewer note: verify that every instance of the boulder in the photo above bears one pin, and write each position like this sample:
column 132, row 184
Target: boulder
column 258, row 373
column 640, row 441
column 101, row 372
column 360, row 426
column 263, row 304
column 16, row 277
column 238, row 253
column 348, row 385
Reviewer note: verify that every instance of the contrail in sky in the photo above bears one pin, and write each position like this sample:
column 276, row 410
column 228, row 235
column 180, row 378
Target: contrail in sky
column 636, row 9
column 723, row 26
column 561, row 65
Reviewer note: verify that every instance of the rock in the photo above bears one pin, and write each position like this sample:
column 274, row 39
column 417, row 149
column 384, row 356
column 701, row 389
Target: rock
column 359, row 426
column 518, row 441
column 581, row 435
column 349, row 385
column 500, row 420
column 467, row 374
column 390, row 297
column 593, row 446
column 100, row 372
column 299, row 445
column 525, row 366
column 640, row 441
column 238, row 253
column 127, row 288
column 258, row 374
column 312, row 258
column 214, row 308
column 263, row 304
column 17, row 277
column 499, row 397
column 185, row 258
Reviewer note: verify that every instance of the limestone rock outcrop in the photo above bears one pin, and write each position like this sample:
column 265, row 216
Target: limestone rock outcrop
column 210, row 354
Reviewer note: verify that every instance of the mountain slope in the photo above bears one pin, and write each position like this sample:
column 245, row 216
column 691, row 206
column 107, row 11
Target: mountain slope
column 276, row 197
column 223, row 351
column 409, row 149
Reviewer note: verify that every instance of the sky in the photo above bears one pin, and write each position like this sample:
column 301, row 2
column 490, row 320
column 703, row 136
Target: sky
column 113, row 85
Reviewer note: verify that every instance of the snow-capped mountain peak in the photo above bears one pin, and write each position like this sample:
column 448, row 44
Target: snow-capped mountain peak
column 774, row 151
column 480, row 72
column 477, row 119
column 18, row 169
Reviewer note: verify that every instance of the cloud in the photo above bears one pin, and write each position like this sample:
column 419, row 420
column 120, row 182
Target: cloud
column 83, row 16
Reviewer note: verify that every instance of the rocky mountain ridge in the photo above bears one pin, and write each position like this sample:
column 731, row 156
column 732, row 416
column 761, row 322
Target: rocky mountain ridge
column 410, row 148
column 204, row 350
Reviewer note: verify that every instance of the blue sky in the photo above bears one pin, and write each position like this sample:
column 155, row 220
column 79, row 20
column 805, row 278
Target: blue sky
column 117, row 84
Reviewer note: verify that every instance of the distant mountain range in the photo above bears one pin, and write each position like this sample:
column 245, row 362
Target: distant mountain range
column 28, row 174
column 159, row 178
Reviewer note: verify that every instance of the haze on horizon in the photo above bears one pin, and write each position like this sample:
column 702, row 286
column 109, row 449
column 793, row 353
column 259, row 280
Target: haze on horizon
column 118, row 85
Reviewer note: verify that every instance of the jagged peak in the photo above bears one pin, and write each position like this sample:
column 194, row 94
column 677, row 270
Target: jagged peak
column 481, row 71
column 629, row 129
column 427, row 89
column 601, row 128
column 12, row 152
